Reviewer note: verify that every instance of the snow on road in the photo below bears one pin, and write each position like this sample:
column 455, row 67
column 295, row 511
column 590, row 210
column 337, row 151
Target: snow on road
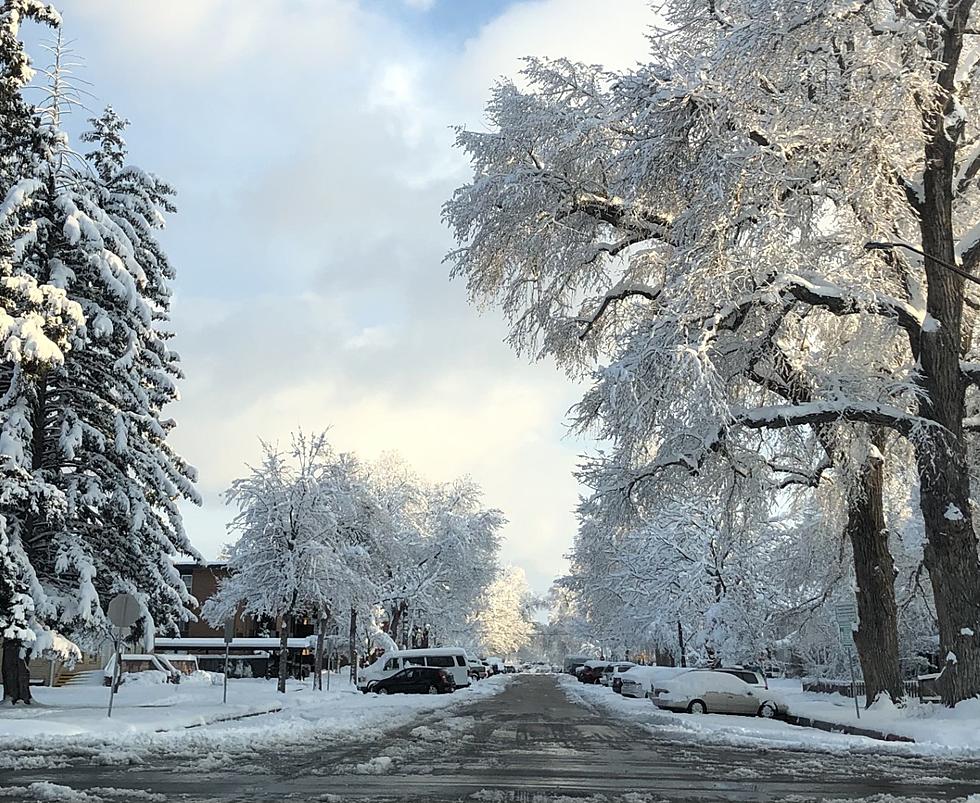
column 153, row 719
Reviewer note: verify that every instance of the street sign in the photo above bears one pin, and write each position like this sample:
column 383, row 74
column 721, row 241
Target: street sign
column 846, row 613
column 229, row 630
column 124, row 610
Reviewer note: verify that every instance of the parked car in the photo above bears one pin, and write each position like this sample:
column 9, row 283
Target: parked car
column 414, row 680
column 573, row 662
column 496, row 665
column 702, row 691
column 613, row 672
column 509, row 669
column 751, row 676
column 452, row 659
column 639, row 680
column 592, row 671
column 477, row 670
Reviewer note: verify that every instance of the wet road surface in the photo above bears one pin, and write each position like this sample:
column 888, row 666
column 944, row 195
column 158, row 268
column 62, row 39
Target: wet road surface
column 529, row 743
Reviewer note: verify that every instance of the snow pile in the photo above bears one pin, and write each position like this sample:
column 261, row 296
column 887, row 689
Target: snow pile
column 189, row 722
column 937, row 730
column 928, row 723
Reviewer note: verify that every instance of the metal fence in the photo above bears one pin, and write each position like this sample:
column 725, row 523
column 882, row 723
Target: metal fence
column 843, row 687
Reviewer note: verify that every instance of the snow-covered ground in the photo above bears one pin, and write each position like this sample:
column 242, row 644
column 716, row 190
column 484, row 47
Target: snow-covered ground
column 927, row 723
column 937, row 731
column 148, row 717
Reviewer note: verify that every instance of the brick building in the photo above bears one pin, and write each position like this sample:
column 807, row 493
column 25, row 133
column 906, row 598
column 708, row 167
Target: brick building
column 202, row 582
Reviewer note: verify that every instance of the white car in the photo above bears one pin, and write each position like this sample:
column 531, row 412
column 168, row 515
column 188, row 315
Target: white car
column 712, row 691
column 613, row 671
column 451, row 659
column 638, row 681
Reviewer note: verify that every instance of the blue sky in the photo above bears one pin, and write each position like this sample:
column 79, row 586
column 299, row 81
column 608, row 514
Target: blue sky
column 310, row 144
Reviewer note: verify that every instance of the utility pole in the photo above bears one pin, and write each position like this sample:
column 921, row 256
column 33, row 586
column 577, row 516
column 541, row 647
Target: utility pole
column 680, row 643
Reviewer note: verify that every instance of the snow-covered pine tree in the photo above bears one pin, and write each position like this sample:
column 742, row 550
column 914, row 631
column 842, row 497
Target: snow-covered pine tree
column 90, row 428
column 36, row 320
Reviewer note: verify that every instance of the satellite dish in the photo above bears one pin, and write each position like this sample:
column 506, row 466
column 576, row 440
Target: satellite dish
column 124, row 610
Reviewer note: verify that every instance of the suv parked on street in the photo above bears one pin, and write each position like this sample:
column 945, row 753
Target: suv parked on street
column 415, row 680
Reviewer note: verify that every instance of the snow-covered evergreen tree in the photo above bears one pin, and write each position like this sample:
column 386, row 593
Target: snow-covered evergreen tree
column 86, row 423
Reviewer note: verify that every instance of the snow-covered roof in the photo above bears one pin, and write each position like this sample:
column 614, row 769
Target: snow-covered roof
column 249, row 643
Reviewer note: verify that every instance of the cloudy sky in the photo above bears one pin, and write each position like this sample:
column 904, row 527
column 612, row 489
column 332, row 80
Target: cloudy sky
column 311, row 147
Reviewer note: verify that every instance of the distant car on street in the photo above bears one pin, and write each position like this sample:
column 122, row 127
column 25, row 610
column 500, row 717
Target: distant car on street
column 611, row 674
column 573, row 662
column 639, row 680
column 452, row 659
column 414, row 680
column 592, row 671
column 704, row 691
column 477, row 670
column 751, row 676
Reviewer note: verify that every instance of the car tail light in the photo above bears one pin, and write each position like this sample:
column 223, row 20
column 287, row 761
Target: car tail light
column 443, row 675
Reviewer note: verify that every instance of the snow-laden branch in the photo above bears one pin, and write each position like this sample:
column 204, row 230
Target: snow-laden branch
column 838, row 301
column 780, row 416
column 620, row 292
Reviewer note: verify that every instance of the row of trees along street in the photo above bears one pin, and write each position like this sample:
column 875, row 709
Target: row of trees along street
column 760, row 249
column 352, row 545
column 90, row 488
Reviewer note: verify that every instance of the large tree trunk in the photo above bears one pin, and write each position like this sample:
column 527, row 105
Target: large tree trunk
column 352, row 645
column 874, row 570
column 950, row 554
column 284, row 652
column 16, row 675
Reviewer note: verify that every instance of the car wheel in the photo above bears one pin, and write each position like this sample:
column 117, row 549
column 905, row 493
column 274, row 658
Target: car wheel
column 433, row 690
column 381, row 690
column 697, row 707
column 768, row 710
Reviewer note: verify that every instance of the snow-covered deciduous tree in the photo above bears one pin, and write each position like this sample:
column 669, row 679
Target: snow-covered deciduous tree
column 505, row 622
column 440, row 553
column 303, row 522
column 769, row 226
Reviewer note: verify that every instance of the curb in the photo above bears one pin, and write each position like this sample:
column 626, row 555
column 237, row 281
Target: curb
column 230, row 718
column 852, row 730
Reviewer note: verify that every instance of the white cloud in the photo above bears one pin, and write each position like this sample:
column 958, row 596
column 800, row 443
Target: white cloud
column 311, row 144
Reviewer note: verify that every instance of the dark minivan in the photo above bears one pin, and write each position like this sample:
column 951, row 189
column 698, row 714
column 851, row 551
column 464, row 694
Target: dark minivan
column 415, row 680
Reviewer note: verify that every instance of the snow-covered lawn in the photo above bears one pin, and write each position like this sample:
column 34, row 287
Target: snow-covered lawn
column 937, row 731
column 927, row 723
column 152, row 717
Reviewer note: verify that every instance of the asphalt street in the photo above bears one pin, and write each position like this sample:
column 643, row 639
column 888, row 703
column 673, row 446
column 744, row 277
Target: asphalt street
column 529, row 743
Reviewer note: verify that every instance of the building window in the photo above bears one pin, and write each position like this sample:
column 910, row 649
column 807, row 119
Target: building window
column 188, row 580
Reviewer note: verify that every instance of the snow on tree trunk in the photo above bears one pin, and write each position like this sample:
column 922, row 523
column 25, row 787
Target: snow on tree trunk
column 16, row 675
column 876, row 639
column 944, row 476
